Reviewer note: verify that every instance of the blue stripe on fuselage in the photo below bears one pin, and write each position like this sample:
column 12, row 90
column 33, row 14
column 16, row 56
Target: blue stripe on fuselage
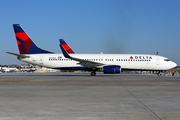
column 71, row 68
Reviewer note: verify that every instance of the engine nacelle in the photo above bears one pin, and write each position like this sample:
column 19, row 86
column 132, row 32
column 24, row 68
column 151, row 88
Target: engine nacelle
column 112, row 69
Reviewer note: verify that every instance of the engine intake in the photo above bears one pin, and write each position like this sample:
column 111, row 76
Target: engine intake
column 112, row 69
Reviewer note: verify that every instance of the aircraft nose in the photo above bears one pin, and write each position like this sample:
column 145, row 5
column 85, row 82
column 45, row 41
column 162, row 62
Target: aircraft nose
column 173, row 64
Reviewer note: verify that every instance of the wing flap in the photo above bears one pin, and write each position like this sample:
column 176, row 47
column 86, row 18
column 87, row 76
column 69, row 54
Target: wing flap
column 87, row 63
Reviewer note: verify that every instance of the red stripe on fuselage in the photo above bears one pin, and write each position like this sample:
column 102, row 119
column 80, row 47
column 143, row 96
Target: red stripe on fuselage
column 27, row 44
column 22, row 36
column 67, row 48
column 27, row 41
column 20, row 47
column 18, row 42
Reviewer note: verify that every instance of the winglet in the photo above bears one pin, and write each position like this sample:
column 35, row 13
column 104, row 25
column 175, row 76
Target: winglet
column 64, row 52
column 66, row 46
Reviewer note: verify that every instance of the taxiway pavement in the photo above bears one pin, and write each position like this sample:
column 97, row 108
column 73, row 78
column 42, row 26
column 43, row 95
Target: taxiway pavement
column 79, row 96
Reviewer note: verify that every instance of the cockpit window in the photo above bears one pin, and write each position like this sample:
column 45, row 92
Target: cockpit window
column 166, row 59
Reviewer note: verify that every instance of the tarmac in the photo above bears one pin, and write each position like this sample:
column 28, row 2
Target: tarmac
column 79, row 96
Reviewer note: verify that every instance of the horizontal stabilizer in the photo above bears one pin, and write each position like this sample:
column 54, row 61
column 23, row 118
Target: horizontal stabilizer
column 19, row 55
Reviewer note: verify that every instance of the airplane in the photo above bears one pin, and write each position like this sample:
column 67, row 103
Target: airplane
column 106, row 63
column 5, row 69
column 28, row 70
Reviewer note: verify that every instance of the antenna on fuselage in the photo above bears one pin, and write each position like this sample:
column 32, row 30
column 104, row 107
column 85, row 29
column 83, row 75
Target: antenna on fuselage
column 156, row 53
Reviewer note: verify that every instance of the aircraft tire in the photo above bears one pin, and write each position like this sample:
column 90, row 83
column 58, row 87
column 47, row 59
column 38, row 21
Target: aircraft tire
column 93, row 73
column 159, row 74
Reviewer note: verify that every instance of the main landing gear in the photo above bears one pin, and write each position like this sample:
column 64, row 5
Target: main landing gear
column 159, row 73
column 93, row 73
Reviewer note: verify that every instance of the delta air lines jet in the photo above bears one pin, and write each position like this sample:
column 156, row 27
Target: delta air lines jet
column 106, row 63
column 5, row 69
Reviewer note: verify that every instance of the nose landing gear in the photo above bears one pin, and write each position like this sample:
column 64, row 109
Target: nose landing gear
column 93, row 73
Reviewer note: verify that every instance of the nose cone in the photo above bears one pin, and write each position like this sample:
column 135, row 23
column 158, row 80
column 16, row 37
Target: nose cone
column 173, row 64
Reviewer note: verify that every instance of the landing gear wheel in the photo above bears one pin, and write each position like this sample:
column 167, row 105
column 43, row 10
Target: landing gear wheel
column 93, row 73
column 159, row 74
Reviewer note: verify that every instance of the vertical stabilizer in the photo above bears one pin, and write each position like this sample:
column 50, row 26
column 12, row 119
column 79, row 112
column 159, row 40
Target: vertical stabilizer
column 25, row 43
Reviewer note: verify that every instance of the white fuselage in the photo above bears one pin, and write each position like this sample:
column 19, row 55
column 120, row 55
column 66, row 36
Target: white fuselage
column 5, row 69
column 126, row 61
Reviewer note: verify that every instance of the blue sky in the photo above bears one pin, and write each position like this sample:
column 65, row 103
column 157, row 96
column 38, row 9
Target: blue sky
column 93, row 26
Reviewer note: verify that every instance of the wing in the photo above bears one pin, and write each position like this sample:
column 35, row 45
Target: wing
column 85, row 63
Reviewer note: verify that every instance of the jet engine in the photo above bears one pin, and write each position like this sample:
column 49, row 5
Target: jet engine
column 112, row 69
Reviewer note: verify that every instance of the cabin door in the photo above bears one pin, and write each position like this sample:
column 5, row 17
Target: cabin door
column 41, row 60
column 157, row 61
